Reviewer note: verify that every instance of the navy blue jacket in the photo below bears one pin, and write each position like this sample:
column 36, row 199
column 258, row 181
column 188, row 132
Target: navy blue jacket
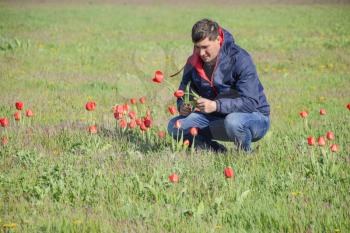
column 234, row 85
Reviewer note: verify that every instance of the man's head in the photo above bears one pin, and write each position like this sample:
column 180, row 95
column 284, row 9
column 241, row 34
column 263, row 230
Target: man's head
column 206, row 39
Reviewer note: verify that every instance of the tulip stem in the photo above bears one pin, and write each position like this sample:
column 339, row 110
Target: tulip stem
column 192, row 146
column 172, row 142
column 177, row 139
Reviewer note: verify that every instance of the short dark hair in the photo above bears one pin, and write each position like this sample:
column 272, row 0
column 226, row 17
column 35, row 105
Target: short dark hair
column 205, row 28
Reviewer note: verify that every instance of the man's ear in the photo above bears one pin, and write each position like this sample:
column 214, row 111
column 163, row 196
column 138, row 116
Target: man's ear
column 219, row 39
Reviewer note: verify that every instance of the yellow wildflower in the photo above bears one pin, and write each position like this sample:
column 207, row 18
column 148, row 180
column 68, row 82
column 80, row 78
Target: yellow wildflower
column 77, row 222
column 9, row 225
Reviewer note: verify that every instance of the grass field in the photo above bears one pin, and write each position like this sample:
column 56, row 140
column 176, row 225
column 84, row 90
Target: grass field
column 56, row 177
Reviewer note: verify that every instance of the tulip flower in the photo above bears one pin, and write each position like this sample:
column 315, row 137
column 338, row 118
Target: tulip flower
column 186, row 142
column 19, row 105
column 174, row 178
column 126, row 107
column 322, row 111
column 4, row 140
column 158, row 77
column 93, row 129
column 161, row 134
column 177, row 124
column 148, row 122
column 142, row 100
column 143, row 127
column 303, row 114
column 132, row 124
column 311, row 141
column 348, row 106
column 118, row 109
column 179, row 93
column 29, row 113
column 118, row 115
column 321, row 141
column 132, row 114
column 334, row 148
column 138, row 121
column 229, row 173
column 90, row 106
column 17, row 116
column 133, row 101
column 4, row 122
column 330, row 135
column 194, row 131
column 172, row 110
column 123, row 123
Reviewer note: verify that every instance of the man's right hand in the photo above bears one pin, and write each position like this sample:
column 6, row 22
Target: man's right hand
column 185, row 109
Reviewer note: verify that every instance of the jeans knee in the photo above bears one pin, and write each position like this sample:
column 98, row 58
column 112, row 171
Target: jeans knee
column 233, row 124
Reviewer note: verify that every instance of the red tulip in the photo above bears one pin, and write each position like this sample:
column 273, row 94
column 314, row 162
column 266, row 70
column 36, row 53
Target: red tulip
column 322, row 111
column 172, row 110
column 132, row 114
column 122, row 123
column 334, row 148
column 161, row 134
column 143, row 127
column 126, row 107
column 118, row 115
column 4, row 122
column 118, row 109
column 303, row 114
column 229, row 173
column 173, row 178
column 29, row 113
column 143, row 100
column 93, row 129
column 4, row 140
column 311, row 141
column 148, row 122
column 132, row 124
column 186, row 142
column 90, row 106
column 179, row 93
column 177, row 124
column 17, row 116
column 330, row 135
column 138, row 121
column 348, row 106
column 321, row 141
column 158, row 77
column 19, row 105
column 133, row 101
column 194, row 131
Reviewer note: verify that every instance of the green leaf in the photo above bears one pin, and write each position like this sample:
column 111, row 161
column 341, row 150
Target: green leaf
column 200, row 209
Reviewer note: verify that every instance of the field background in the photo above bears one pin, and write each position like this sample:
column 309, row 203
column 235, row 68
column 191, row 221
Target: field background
column 55, row 177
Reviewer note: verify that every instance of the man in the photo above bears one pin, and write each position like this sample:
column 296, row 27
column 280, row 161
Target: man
column 225, row 77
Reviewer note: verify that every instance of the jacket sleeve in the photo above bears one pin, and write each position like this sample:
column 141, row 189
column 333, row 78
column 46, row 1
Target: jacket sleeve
column 186, row 78
column 247, row 87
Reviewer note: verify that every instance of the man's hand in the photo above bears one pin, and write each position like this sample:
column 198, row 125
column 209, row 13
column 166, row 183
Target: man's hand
column 205, row 105
column 185, row 109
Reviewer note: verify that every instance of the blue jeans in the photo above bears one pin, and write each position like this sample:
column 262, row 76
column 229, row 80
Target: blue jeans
column 242, row 128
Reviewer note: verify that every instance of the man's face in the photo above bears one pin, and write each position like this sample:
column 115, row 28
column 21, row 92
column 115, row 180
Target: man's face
column 207, row 49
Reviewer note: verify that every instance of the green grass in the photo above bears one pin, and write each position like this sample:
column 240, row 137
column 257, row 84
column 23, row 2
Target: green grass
column 55, row 177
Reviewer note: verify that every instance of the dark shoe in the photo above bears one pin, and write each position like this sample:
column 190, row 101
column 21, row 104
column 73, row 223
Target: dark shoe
column 211, row 145
column 217, row 147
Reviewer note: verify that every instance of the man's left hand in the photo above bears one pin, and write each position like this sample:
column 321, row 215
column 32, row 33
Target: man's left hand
column 205, row 105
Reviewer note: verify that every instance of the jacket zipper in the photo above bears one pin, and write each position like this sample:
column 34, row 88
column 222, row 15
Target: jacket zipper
column 212, row 76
